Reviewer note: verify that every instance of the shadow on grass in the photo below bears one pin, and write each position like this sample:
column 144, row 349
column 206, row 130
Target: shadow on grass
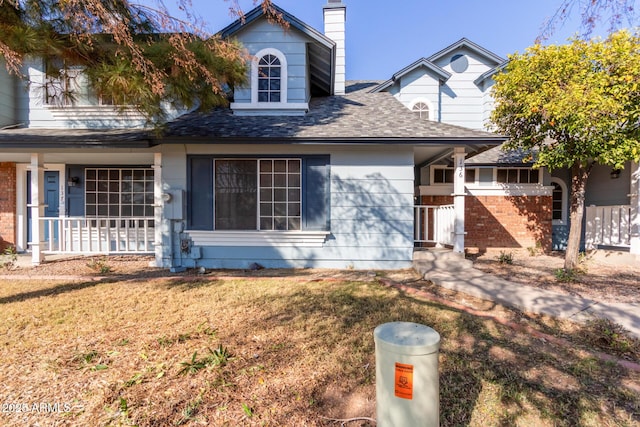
column 489, row 375
column 53, row 291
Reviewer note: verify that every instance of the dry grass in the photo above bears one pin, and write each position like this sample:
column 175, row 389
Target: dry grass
column 597, row 279
column 111, row 352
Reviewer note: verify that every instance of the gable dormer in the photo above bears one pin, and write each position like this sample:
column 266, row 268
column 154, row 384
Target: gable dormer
column 466, row 97
column 450, row 86
column 287, row 65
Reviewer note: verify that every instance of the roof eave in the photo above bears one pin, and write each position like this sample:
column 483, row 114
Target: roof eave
column 257, row 12
column 464, row 42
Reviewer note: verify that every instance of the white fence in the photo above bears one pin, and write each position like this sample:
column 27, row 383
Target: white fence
column 608, row 226
column 434, row 224
column 133, row 235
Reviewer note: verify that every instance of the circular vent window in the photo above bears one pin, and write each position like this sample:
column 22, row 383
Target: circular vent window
column 459, row 63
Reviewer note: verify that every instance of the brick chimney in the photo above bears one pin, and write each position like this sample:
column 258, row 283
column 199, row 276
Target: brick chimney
column 335, row 16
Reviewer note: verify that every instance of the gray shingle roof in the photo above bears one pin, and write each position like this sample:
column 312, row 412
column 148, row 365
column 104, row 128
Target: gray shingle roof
column 356, row 116
column 73, row 138
column 498, row 156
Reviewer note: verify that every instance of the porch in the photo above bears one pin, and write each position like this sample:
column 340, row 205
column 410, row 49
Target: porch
column 608, row 226
column 98, row 235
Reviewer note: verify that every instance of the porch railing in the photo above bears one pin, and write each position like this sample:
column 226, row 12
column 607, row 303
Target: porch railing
column 608, row 226
column 434, row 224
column 132, row 235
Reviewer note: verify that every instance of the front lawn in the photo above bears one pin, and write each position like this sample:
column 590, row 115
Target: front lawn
column 290, row 351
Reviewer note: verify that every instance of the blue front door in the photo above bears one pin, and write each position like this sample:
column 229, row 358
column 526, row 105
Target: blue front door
column 51, row 200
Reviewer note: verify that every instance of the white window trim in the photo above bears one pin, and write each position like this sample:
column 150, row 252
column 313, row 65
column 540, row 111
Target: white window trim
column 565, row 202
column 284, row 107
column 258, row 188
column 283, row 77
column 314, row 239
column 432, row 174
column 426, row 101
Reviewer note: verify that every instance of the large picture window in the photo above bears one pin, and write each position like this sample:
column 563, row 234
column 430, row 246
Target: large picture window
column 117, row 193
column 258, row 194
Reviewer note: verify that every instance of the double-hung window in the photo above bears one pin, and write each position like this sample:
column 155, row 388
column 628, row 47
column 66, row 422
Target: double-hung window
column 269, row 79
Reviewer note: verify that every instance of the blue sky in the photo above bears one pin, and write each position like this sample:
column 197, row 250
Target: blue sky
column 385, row 36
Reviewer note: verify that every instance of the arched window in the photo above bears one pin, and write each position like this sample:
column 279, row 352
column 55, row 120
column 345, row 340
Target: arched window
column 560, row 196
column 269, row 75
column 421, row 109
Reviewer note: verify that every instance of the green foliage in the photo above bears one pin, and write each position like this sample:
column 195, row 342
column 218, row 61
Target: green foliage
column 99, row 265
column 573, row 106
column 133, row 55
column 505, row 258
column 567, row 275
column 247, row 410
column 574, row 103
column 8, row 258
column 218, row 357
column 611, row 338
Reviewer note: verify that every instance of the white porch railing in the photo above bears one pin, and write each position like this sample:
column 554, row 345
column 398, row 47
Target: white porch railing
column 134, row 235
column 434, row 224
column 608, row 226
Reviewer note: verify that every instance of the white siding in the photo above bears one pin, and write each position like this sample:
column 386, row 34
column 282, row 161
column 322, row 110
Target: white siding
column 487, row 104
column 32, row 109
column 419, row 84
column 7, row 96
column 462, row 100
column 261, row 35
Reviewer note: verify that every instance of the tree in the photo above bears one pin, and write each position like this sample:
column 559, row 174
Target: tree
column 573, row 105
column 132, row 53
column 614, row 13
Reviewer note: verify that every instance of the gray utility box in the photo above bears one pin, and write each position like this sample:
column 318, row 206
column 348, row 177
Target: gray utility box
column 407, row 381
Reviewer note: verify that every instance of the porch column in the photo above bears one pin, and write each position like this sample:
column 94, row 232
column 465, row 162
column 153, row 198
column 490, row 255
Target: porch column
column 458, row 199
column 634, row 200
column 37, row 208
column 158, row 209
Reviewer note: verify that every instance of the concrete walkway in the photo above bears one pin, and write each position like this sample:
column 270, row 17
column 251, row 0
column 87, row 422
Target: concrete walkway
column 531, row 299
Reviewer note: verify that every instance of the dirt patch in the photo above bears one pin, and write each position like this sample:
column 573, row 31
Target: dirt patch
column 596, row 280
column 132, row 266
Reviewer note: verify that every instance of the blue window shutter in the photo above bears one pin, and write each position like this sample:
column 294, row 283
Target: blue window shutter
column 200, row 193
column 315, row 196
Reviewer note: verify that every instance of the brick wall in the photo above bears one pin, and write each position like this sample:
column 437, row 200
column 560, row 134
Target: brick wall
column 503, row 221
column 7, row 205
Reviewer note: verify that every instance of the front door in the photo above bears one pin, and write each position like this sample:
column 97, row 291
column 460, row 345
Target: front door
column 51, row 201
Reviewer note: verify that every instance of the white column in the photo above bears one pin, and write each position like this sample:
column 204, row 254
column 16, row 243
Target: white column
column 37, row 208
column 158, row 211
column 634, row 199
column 458, row 199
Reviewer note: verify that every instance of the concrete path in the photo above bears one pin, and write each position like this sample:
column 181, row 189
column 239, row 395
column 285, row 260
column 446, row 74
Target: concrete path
column 531, row 299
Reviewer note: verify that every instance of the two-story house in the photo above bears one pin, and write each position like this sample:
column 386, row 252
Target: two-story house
column 303, row 169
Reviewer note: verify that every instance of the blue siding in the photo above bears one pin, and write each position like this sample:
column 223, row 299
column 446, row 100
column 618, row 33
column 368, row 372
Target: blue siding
column 7, row 96
column 75, row 195
column 362, row 195
column 200, row 193
column 261, row 35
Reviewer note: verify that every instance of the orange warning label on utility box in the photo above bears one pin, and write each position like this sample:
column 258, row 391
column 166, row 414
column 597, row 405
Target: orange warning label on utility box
column 404, row 381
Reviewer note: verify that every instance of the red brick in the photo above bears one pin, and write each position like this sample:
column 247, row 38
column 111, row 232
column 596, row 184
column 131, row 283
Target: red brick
column 504, row 222
column 7, row 205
